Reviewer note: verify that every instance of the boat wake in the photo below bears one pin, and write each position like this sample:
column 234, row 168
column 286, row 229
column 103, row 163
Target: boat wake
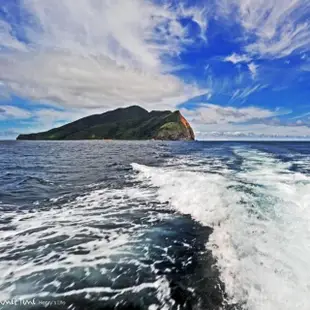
column 260, row 215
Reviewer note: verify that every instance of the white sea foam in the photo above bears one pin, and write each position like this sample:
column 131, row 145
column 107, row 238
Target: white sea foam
column 92, row 223
column 261, row 220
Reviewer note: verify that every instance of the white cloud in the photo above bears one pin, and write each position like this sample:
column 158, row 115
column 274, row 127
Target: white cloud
column 215, row 114
column 250, row 131
column 235, row 58
column 90, row 53
column 45, row 119
column 38, row 120
column 211, row 121
column 276, row 28
column 11, row 112
column 253, row 69
column 75, row 81
column 42, row 119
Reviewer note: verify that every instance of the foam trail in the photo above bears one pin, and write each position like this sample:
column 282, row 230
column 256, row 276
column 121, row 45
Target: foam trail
column 92, row 231
column 261, row 220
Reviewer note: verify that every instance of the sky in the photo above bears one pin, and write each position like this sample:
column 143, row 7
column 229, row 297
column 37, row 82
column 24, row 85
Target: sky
column 237, row 69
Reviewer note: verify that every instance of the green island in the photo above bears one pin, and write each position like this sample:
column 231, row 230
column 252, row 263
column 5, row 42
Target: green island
column 131, row 123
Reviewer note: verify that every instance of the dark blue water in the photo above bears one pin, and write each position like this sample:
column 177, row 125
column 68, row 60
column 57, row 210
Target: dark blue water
column 154, row 225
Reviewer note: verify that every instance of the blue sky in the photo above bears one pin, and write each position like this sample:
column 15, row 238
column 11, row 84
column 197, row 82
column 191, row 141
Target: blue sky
column 235, row 68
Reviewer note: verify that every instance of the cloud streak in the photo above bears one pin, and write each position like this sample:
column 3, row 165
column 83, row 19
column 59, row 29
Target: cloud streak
column 216, row 114
column 251, row 131
column 11, row 112
column 271, row 28
column 235, row 58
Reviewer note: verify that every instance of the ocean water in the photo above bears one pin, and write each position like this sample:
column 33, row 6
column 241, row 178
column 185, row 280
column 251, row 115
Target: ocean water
column 154, row 225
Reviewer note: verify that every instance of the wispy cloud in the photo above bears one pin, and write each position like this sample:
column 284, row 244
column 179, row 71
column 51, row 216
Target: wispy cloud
column 272, row 28
column 216, row 114
column 239, row 86
column 251, row 131
column 303, row 115
column 246, row 59
column 11, row 112
column 235, row 58
column 212, row 121
column 253, row 69
column 245, row 92
column 37, row 120
column 98, row 53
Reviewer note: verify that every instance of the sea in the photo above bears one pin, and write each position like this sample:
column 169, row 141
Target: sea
column 154, row 225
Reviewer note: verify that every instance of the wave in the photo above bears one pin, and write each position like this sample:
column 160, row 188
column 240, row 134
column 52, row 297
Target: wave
column 39, row 247
column 260, row 215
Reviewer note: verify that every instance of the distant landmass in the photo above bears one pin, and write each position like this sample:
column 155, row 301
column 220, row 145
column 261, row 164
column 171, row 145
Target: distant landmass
column 131, row 123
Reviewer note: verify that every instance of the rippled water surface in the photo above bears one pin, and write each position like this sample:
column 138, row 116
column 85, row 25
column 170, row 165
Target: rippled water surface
column 154, row 225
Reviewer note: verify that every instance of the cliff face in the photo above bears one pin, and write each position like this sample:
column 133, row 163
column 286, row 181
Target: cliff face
column 132, row 123
column 179, row 129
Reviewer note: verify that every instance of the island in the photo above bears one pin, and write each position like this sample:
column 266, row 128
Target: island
column 131, row 123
